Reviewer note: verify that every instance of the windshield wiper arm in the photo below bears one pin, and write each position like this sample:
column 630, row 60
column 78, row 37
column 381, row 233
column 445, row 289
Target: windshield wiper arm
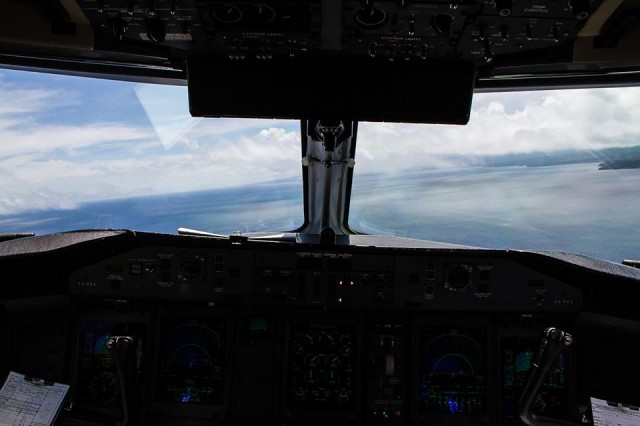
column 197, row 233
column 261, row 236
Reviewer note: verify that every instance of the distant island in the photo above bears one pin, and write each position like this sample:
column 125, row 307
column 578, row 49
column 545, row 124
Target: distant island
column 607, row 159
column 622, row 163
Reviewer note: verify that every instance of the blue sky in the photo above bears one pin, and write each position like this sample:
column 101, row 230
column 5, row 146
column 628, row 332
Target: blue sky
column 67, row 140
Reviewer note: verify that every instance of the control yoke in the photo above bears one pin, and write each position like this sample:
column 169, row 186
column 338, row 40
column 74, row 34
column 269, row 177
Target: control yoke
column 121, row 349
column 553, row 342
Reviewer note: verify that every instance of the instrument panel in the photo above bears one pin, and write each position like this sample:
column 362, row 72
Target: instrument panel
column 191, row 362
column 321, row 366
column 453, row 370
column 241, row 332
column 308, row 278
column 329, row 335
column 516, row 355
column 322, row 336
column 313, row 366
column 97, row 389
column 477, row 31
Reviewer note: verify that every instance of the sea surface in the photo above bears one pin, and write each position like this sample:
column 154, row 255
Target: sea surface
column 575, row 208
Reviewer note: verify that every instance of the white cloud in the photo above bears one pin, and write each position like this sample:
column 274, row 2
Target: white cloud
column 229, row 126
column 42, row 199
column 26, row 126
column 265, row 155
column 507, row 123
column 22, row 98
column 43, row 139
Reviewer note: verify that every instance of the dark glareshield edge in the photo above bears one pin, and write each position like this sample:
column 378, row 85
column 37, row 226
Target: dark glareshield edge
column 333, row 88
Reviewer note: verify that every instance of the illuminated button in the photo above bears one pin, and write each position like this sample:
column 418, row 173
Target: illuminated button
column 135, row 268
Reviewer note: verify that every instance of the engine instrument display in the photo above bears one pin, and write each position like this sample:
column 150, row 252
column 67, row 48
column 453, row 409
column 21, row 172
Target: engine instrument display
column 97, row 383
column 516, row 356
column 386, row 373
column 321, row 364
column 452, row 370
column 191, row 361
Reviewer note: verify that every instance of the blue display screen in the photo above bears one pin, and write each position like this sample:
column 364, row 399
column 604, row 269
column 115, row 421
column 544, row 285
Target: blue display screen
column 452, row 370
column 192, row 361
column 517, row 354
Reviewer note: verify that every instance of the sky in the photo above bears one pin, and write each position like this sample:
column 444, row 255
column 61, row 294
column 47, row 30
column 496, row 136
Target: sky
column 67, row 140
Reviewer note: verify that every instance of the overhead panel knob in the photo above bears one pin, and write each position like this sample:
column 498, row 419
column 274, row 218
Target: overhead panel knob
column 442, row 23
column 488, row 53
column 412, row 25
column 156, row 29
column 580, row 8
column 152, row 8
column 504, row 7
column 118, row 27
column 528, row 31
column 366, row 4
column 261, row 15
column 504, row 32
column 370, row 17
column 226, row 13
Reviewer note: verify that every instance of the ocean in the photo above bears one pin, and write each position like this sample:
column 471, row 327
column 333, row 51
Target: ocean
column 575, row 208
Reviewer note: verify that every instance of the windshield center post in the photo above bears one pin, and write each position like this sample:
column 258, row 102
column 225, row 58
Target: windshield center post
column 328, row 161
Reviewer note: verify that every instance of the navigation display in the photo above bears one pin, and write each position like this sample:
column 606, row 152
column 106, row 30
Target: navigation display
column 516, row 356
column 321, row 366
column 97, row 384
column 452, row 370
column 191, row 361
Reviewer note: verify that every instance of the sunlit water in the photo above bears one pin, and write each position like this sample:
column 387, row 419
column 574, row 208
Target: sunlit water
column 575, row 208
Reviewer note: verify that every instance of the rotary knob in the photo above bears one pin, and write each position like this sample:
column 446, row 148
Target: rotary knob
column 442, row 24
column 156, row 29
column 118, row 27
column 504, row 7
column 580, row 8
column 528, row 31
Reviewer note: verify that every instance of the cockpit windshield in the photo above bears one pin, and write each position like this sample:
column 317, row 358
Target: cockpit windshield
column 543, row 170
column 547, row 170
column 79, row 153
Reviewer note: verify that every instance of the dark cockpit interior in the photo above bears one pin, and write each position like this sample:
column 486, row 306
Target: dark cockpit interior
column 321, row 325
